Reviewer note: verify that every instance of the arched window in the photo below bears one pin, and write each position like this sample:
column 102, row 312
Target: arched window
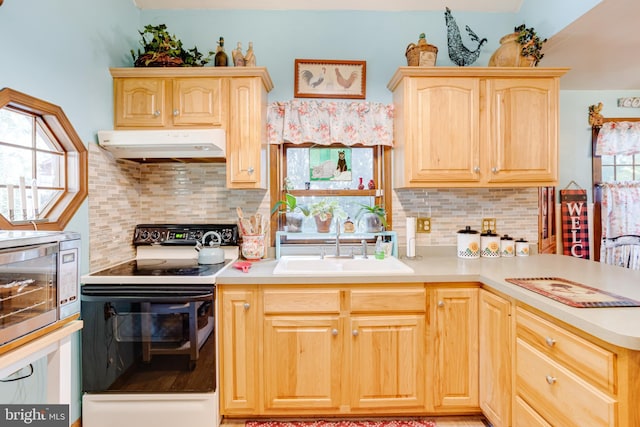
column 43, row 164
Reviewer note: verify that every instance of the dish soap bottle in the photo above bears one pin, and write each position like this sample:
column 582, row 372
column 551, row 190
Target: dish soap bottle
column 379, row 254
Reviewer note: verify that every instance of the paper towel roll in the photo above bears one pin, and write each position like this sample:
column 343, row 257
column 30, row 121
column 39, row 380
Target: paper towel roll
column 411, row 237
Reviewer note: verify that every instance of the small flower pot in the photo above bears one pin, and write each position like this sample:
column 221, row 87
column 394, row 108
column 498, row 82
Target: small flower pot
column 293, row 222
column 323, row 226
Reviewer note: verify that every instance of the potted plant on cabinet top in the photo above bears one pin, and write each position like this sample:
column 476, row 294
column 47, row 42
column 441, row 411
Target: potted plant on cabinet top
column 374, row 217
column 323, row 212
column 294, row 213
column 162, row 49
column 522, row 48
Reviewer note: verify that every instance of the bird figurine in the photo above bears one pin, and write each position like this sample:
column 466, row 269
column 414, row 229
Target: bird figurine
column 458, row 52
column 309, row 78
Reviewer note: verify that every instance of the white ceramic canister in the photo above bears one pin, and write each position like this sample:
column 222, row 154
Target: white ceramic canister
column 522, row 247
column 468, row 243
column 507, row 246
column 489, row 244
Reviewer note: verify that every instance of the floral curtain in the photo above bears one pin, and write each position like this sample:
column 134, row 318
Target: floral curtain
column 618, row 138
column 328, row 122
column 621, row 224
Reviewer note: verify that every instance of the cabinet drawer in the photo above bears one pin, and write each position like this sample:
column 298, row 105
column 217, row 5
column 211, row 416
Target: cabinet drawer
column 301, row 301
column 383, row 300
column 550, row 389
column 525, row 416
column 587, row 359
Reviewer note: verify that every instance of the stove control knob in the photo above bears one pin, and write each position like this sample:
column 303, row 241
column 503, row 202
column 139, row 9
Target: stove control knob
column 155, row 235
column 144, row 235
column 226, row 235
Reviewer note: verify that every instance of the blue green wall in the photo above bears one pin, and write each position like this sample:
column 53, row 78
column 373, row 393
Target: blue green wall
column 61, row 51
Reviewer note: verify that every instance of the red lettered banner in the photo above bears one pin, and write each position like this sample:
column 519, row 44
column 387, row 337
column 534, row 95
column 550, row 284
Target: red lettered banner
column 575, row 224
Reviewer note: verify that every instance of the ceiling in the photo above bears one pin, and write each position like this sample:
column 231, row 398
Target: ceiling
column 601, row 47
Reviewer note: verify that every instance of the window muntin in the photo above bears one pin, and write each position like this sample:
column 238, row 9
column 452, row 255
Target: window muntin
column 620, row 168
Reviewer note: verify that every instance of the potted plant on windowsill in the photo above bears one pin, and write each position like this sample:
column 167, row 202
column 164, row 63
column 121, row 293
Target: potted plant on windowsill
column 294, row 213
column 374, row 218
column 323, row 212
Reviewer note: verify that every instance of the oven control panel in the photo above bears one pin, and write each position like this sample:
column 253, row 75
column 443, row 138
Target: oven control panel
column 183, row 234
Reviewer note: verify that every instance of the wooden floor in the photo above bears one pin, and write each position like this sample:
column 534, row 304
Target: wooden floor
column 470, row 421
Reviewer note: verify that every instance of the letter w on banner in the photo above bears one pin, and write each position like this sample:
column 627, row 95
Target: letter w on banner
column 575, row 223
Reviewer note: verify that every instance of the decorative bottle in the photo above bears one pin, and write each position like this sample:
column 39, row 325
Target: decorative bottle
column 361, row 185
column 221, row 59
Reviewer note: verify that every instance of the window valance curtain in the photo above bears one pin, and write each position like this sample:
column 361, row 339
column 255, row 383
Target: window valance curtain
column 618, row 138
column 328, row 122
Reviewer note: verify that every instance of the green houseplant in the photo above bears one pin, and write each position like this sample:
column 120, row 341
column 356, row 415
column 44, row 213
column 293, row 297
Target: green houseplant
column 374, row 217
column 294, row 213
column 323, row 211
column 162, row 49
column 530, row 42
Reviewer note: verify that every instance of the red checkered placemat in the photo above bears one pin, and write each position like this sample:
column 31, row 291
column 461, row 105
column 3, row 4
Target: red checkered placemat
column 572, row 293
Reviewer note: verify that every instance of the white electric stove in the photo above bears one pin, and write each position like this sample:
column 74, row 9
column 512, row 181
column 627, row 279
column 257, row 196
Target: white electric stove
column 149, row 342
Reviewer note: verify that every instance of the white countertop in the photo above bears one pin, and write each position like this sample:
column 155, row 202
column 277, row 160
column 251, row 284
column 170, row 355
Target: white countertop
column 617, row 325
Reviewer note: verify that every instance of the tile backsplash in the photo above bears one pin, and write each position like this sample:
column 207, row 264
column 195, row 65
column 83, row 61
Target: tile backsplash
column 124, row 193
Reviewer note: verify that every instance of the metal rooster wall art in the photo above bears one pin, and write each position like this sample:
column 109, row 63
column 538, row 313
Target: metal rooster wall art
column 458, row 52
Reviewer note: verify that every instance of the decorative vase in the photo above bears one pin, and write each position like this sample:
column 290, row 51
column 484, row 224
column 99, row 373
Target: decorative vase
column 293, row 222
column 323, row 226
column 509, row 54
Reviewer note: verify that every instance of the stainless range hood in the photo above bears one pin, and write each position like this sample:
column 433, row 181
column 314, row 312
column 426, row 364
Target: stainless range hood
column 164, row 144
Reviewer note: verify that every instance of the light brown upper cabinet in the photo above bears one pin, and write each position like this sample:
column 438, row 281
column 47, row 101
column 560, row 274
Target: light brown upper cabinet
column 231, row 98
column 475, row 126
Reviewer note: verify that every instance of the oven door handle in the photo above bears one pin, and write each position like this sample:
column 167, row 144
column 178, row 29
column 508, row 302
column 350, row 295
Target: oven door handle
column 135, row 294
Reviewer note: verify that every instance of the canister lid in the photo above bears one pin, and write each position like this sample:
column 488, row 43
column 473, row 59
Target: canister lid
column 467, row 230
column 506, row 237
column 489, row 233
column 521, row 240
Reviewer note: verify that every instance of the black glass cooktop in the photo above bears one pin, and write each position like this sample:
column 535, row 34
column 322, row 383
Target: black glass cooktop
column 162, row 267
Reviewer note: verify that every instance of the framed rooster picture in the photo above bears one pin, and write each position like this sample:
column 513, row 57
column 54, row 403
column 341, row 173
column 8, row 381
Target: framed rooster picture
column 320, row 78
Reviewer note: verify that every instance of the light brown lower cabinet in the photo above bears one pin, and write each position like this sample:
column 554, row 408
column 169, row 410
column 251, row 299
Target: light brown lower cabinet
column 335, row 349
column 495, row 377
column 415, row 349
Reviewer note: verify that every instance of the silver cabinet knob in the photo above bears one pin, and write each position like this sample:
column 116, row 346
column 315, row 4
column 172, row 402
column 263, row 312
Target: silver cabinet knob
column 246, row 305
column 550, row 379
column 250, row 170
column 550, row 341
column 354, row 332
column 476, row 169
column 157, row 113
column 176, row 112
column 440, row 303
column 334, row 332
column 494, row 170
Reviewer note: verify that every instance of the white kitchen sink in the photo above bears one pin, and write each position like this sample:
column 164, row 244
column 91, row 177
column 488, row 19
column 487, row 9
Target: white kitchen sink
column 332, row 266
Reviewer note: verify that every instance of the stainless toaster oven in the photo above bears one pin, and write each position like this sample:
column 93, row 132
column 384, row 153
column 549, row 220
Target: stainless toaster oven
column 39, row 281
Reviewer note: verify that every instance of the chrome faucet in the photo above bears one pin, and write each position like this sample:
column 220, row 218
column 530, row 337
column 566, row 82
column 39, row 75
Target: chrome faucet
column 364, row 249
column 337, row 237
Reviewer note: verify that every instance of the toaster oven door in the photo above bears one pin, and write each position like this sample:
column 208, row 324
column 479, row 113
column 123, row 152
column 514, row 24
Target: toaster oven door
column 28, row 290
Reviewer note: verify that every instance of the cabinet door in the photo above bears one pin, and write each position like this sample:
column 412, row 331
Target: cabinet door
column 454, row 358
column 495, row 358
column 302, row 362
column 387, row 362
column 140, row 102
column 523, row 130
column 246, row 134
column 198, row 101
column 443, row 133
column 238, row 348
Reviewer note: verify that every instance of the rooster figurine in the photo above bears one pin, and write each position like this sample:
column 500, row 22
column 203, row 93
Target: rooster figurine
column 309, row 78
column 458, row 52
